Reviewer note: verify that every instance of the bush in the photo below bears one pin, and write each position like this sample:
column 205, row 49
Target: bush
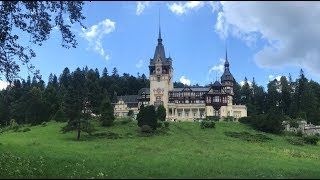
column 295, row 141
column 313, row 140
column 271, row 122
column 125, row 121
column 43, row 124
column 14, row 125
column 213, row 118
column 299, row 133
column 146, row 129
column 26, row 130
column 207, row 124
column 160, row 124
column 245, row 120
column 166, row 124
column 229, row 118
column 248, row 137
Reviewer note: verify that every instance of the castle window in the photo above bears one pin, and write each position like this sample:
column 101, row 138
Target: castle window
column 187, row 114
column 216, row 99
column 179, row 114
column 158, row 78
column 158, row 98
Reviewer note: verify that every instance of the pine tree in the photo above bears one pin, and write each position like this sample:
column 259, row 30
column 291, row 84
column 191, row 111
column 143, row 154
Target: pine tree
column 107, row 114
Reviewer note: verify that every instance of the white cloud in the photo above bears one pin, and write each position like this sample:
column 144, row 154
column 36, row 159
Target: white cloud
column 182, row 8
column 241, row 83
column 3, row 84
column 95, row 34
column 219, row 68
column 185, row 81
column 271, row 77
column 139, row 64
column 290, row 30
column 141, row 6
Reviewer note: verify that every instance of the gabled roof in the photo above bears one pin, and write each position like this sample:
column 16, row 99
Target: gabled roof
column 195, row 89
column 128, row 98
column 144, row 90
column 216, row 84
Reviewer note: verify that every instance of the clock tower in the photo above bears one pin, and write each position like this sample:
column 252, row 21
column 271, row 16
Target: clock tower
column 161, row 74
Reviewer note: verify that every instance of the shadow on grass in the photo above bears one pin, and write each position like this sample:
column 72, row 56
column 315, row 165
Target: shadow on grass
column 248, row 137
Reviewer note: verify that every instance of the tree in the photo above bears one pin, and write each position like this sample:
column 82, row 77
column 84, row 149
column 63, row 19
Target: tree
column 75, row 104
column 285, row 95
column 107, row 114
column 161, row 113
column 115, row 72
column 147, row 116
column 130, row 113
column 36, row 19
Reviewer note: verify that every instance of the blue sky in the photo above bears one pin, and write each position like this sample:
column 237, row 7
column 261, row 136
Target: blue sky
column 262, row 41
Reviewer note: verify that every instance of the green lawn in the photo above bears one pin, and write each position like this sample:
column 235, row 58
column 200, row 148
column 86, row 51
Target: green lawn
column 185, row 151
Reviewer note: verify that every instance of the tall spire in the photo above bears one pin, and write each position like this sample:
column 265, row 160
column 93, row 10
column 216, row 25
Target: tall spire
column 226, row 64
column 159, row 38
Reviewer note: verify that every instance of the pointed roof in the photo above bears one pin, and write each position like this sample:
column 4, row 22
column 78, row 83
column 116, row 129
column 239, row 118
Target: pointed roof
column 159, row 52
column 216, row 84
column 227, row 76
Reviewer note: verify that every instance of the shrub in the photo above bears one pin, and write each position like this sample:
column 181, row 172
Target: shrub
column 146, row 129
column 160, row 124
column 207, row 124
column 213, row 118
column 147, row 116
column 245, row 120
column 229, row 118
column 166, row 124
column 108, row 135
column 43, row 124
column 161, row 113
column 271, row 122
column 125, row 121
column 14, row 125
column 248, row 137
column 299, row 133
column 26, row 130
column 295, row 141
column 313, row 140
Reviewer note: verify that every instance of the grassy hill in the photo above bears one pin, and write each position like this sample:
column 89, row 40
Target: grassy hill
column 185, row 151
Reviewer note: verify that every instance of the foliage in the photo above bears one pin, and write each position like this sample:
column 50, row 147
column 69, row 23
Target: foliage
column 166, row 124
column 271, row 122
column 229, row 119
column 125, row 120
column 35, row 20
column 107, row 117
column 26, row 130
column 161, row 113
column 248, row 137
column 160, row 124
column 130, row 113
column 213, row 118
column 146, row 129
column 207, row 124
column 147, row 116
column 313, row 140
column 295, row 140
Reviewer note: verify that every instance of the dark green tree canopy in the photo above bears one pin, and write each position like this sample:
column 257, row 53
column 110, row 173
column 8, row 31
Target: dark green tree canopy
column 36, row 19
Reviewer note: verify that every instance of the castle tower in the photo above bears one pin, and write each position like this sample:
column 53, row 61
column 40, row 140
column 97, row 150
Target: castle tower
column 161, row 76
column 227, row 81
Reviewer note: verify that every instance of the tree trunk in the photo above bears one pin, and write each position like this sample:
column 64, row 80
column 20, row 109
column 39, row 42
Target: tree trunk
column 79, row 130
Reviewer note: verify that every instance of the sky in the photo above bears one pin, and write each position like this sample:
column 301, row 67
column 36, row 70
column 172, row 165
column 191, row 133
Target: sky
column 264, row 40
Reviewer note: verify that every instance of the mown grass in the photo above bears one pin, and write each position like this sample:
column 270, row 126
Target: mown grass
column 185, row 151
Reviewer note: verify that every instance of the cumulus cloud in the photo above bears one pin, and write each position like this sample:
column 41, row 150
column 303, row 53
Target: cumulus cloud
column 219, row 68
column 241, row 83
column 271, row 78
column 182, row 8
column 290, row 30
column 141, row 5
column 139, row 64
column 3, row 84
column 95, row 34
column 185, row 81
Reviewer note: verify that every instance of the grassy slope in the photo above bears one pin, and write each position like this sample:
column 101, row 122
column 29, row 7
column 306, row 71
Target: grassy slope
column 185, row 152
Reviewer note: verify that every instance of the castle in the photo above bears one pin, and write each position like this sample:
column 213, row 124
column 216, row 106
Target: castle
column 182, row 104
